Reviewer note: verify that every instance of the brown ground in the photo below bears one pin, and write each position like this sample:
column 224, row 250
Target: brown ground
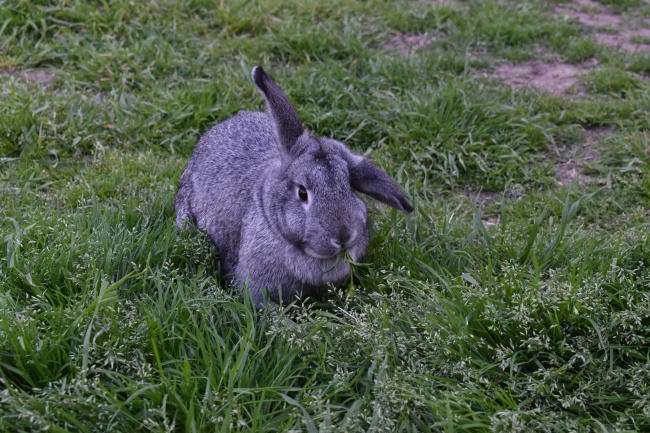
column 405, row 44
column 574, row 159
column 555, row 77
column 627, row 33
column 32, row 76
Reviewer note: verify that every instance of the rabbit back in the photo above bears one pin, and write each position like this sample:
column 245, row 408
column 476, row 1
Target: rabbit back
column 217, row 186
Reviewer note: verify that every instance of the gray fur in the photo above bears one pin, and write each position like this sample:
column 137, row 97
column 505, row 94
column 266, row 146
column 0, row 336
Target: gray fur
column 242, row 188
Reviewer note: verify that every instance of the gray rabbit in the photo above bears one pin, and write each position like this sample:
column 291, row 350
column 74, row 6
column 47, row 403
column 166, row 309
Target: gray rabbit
column 279, row 204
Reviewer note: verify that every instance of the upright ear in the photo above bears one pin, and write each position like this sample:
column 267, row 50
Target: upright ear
column 287, row 124
column 369, row 179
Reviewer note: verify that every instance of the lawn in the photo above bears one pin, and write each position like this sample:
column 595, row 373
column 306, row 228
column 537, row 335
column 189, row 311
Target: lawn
column 516, row 297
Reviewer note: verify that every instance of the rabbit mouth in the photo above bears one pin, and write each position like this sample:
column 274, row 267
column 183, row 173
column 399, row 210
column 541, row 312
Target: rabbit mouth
column 321, row 255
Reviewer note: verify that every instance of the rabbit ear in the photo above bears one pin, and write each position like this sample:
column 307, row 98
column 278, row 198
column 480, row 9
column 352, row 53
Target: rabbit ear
column 287, row 124
column 369, row 179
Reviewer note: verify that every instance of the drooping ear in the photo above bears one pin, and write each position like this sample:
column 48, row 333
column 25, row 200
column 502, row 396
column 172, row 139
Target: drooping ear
column 287, row 124
column 369, row 179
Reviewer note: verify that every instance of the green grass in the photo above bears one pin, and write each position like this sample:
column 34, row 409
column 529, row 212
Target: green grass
column 529, row 312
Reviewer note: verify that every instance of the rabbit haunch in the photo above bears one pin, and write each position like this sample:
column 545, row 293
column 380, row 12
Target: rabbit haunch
column 280, row 205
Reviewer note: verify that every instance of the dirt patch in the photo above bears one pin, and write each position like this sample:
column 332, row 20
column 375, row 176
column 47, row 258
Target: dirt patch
column 405, row 44
column 437, row 2
column 626, row 40
column 574, row 159
column 36, row 76
column 625, row 32
column 483, row 198
column 32, row 76
column 587, row 3
column 595, row 19
column 554, row 77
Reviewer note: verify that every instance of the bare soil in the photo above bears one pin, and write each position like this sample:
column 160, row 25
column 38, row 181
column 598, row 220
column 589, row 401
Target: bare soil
column 32, row 76
column 624, row 32
column 406, row 44
column 575, row 159
column 554, row 77
column 437, row 2
column 483, row 198
column 625, row 40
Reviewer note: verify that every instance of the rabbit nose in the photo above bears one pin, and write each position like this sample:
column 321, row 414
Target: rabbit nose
column 342, row 240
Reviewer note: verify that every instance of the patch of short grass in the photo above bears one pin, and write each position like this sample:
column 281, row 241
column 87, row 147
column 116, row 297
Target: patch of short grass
column 576, row 49
column 611, row 81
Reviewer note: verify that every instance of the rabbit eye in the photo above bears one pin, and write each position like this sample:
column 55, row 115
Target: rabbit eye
column 302, row 193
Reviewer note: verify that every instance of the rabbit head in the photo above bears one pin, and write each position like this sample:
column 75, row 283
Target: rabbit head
column 311, row 197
